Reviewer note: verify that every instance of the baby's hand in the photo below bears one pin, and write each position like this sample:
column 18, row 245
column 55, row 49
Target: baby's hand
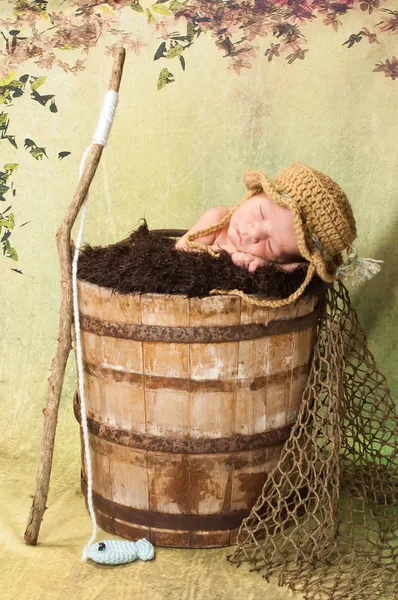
column 182, row 245
column 247, row 261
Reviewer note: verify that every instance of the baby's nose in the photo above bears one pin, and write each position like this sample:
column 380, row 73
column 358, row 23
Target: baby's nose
column 254, row 231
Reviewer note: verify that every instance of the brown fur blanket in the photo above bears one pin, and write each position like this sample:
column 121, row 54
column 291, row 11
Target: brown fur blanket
column 147, row 262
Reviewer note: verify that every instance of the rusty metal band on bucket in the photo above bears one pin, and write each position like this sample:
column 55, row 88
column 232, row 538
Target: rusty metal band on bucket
column 178, row 445
column 180, row 384
column 219, row 333
column 148, row 518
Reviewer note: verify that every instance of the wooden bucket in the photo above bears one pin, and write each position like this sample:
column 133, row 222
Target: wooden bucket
column 189, row 402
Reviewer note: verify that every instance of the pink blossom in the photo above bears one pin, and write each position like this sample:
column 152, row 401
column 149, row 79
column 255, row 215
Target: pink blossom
column 389, row 68
column 47, row 61
column 257, row 29
column 238, row 64
column 233, row 26
column 163, row 27
column 134, row 45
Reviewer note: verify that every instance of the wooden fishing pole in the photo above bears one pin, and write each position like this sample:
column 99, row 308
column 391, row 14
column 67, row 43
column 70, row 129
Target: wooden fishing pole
column 58, row 365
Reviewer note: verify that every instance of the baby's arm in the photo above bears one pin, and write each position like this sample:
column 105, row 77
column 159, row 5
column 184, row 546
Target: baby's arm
column 210, row 217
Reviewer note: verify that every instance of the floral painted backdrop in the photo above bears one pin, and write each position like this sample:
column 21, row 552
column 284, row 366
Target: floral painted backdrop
column 40, row 33
column 209, row 89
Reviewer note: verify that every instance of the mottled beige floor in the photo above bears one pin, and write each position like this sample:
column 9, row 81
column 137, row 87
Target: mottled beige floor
column 52, row 570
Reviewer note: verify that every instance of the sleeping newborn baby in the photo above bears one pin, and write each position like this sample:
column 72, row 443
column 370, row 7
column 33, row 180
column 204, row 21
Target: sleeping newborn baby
column 258, row 232
column 301, row 217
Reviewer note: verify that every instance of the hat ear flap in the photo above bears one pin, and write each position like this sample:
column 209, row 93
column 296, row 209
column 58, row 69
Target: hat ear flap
column 251, row 181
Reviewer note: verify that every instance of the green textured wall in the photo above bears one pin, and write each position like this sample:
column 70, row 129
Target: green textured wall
column 176, row 151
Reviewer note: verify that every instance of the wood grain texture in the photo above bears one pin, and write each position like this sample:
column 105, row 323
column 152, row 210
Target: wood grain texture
column 186, row 391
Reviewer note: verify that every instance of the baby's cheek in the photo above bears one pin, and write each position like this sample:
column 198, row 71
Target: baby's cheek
column 259, row 249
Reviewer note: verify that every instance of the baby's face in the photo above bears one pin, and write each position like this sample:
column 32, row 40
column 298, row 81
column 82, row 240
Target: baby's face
column 265, row 229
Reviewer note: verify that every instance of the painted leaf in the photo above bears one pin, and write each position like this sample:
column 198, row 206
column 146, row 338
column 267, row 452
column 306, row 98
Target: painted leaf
column 9, row 251
column 6, row 80
column 176, row 5
column 163, row 78
column 137, row 7
column 6, row 235
column 149, row 16
column 8, row 222
column 161, row 51
column 11, row 167
column 37, row 82
column 173, row 52
column 10, row 91
column 3, row 120
column 5, row 95
column 15, row 86
column 41, row 99
column 162, row 10
column 19, row 92
column 38, row 153
column 34, row 150
column 190, row 31
column 104, row 9
column 11, row 139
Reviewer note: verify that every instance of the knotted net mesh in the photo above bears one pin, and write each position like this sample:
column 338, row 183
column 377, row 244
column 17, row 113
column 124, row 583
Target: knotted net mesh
column 326, row 522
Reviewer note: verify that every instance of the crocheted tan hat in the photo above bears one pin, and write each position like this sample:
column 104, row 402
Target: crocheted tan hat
column 322, row 215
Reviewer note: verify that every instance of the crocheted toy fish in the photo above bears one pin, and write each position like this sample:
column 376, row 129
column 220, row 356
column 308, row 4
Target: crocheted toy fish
column 119, row 552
